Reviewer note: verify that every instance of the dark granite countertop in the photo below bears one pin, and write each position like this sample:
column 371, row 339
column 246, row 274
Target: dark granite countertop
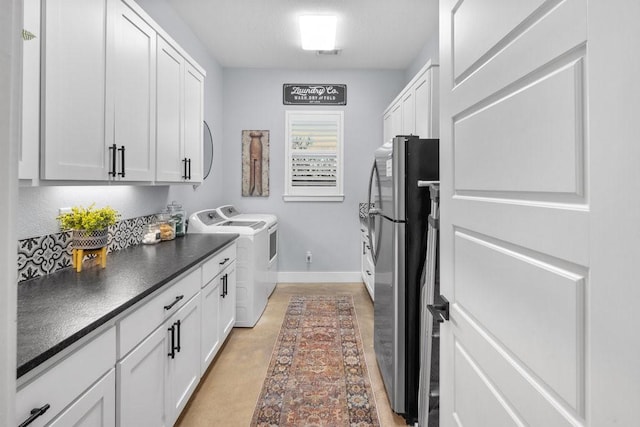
column 57, row 310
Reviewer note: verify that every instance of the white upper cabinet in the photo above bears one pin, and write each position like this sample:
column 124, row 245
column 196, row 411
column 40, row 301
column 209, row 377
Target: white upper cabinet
column 74, row 89
column 134, row 91
column 414, row 111
column 29, row 144
column 120, row 100
column 396, row 119
column 169, row 109
column 180, row 106
column 409, row 113
column 193, row 119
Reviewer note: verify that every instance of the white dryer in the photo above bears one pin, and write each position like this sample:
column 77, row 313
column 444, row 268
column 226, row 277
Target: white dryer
column 231, row 213
column 251, row 261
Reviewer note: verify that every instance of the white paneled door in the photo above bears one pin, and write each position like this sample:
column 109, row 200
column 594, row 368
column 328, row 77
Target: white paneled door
column 540, row 165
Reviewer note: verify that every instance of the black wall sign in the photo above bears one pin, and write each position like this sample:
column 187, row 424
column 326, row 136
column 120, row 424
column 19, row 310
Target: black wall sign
column 314, row 94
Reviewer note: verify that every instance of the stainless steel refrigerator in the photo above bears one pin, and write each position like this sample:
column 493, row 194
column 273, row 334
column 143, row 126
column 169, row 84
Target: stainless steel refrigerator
column 398, row 233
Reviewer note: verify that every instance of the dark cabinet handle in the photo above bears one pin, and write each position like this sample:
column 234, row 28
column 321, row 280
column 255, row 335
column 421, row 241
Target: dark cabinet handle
column 172, row 353
column 121, row 150
column 226, row 284
column 112, row 152
column 223, row 262
column 368, row 272
column 177, row 324
column 35, row 413
column 189, row 163
column 184, row 162
column 223, row 280
column 170, row 306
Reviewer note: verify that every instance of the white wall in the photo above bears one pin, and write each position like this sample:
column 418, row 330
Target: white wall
column 253, row 100
column 38, row 206
column 430, row 51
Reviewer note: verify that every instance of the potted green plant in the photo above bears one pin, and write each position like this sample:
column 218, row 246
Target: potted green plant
column 89, row 226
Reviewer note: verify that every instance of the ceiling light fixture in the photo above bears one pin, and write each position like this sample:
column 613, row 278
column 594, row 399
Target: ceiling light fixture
column 318, row 32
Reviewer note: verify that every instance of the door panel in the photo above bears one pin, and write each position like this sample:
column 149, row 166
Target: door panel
column 514, row 145
column 74, row 89
column 487, row 408
column 95, row 408
column 515, row 212
column 141, row 383
column 423, row 106
column 524, row 51
column 135, row 88
column 512, row 294
column 193, row 118
column 480, row 32
column 169, row 113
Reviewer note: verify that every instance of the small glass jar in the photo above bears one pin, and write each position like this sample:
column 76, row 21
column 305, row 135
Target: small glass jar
column 167, row 226
column 151, row 233
column 178, row 215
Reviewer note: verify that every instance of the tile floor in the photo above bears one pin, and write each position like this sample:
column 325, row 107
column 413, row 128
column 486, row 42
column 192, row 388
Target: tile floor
column 229, row 390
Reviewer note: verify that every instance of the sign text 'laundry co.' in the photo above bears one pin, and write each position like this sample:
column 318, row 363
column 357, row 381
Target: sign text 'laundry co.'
column 314, row 94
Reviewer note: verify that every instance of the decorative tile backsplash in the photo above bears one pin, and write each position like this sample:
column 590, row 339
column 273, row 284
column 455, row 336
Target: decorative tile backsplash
column 38, row 256
column 364, row 209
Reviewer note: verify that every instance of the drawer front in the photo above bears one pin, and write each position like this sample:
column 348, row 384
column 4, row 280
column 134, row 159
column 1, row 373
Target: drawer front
column 67, row 380
column 139, row 324
column 217, row 263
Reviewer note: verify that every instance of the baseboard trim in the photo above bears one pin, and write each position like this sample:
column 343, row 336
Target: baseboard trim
column 319, row 277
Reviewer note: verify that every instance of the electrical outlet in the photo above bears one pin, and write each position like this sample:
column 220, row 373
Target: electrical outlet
column 308, row 257
column 63, row 211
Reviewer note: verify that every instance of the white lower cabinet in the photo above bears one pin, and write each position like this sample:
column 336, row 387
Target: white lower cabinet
column 158, row 374
column 211, row 330
column 367, row 268
column 142, row 371
column 218, row 312
column 184, row 364
column 228, row 302
column 157, row 378
column 142, row 383
column 77, row 391
column 96, row 408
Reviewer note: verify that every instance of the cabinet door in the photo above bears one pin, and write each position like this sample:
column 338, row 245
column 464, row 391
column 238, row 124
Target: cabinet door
column 422, row 90
column 74, row 78
column 193, row 118
column 387, row 132
column 210, row 296
column 30, row 141
column 134, row 90
column 95, row 408
column 228, row 302
column 396, row 120
column 408, row 113
column 170, row 73
column 184, row 368
column 142, row 382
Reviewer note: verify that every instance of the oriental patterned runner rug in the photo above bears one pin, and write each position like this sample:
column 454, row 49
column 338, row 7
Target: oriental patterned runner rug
column 317, row 375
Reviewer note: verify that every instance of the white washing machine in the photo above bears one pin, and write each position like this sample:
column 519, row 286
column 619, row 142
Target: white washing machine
column 231, row 213
column 251, row 261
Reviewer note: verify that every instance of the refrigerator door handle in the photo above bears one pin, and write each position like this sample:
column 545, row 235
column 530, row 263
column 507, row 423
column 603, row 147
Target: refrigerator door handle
column 373, row 212
column 426, row 183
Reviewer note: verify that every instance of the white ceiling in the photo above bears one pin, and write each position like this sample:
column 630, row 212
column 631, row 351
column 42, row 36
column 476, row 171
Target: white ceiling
column 378, row 34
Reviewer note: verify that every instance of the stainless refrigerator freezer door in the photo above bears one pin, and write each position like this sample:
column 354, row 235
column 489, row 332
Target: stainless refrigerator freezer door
column 389, row 339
